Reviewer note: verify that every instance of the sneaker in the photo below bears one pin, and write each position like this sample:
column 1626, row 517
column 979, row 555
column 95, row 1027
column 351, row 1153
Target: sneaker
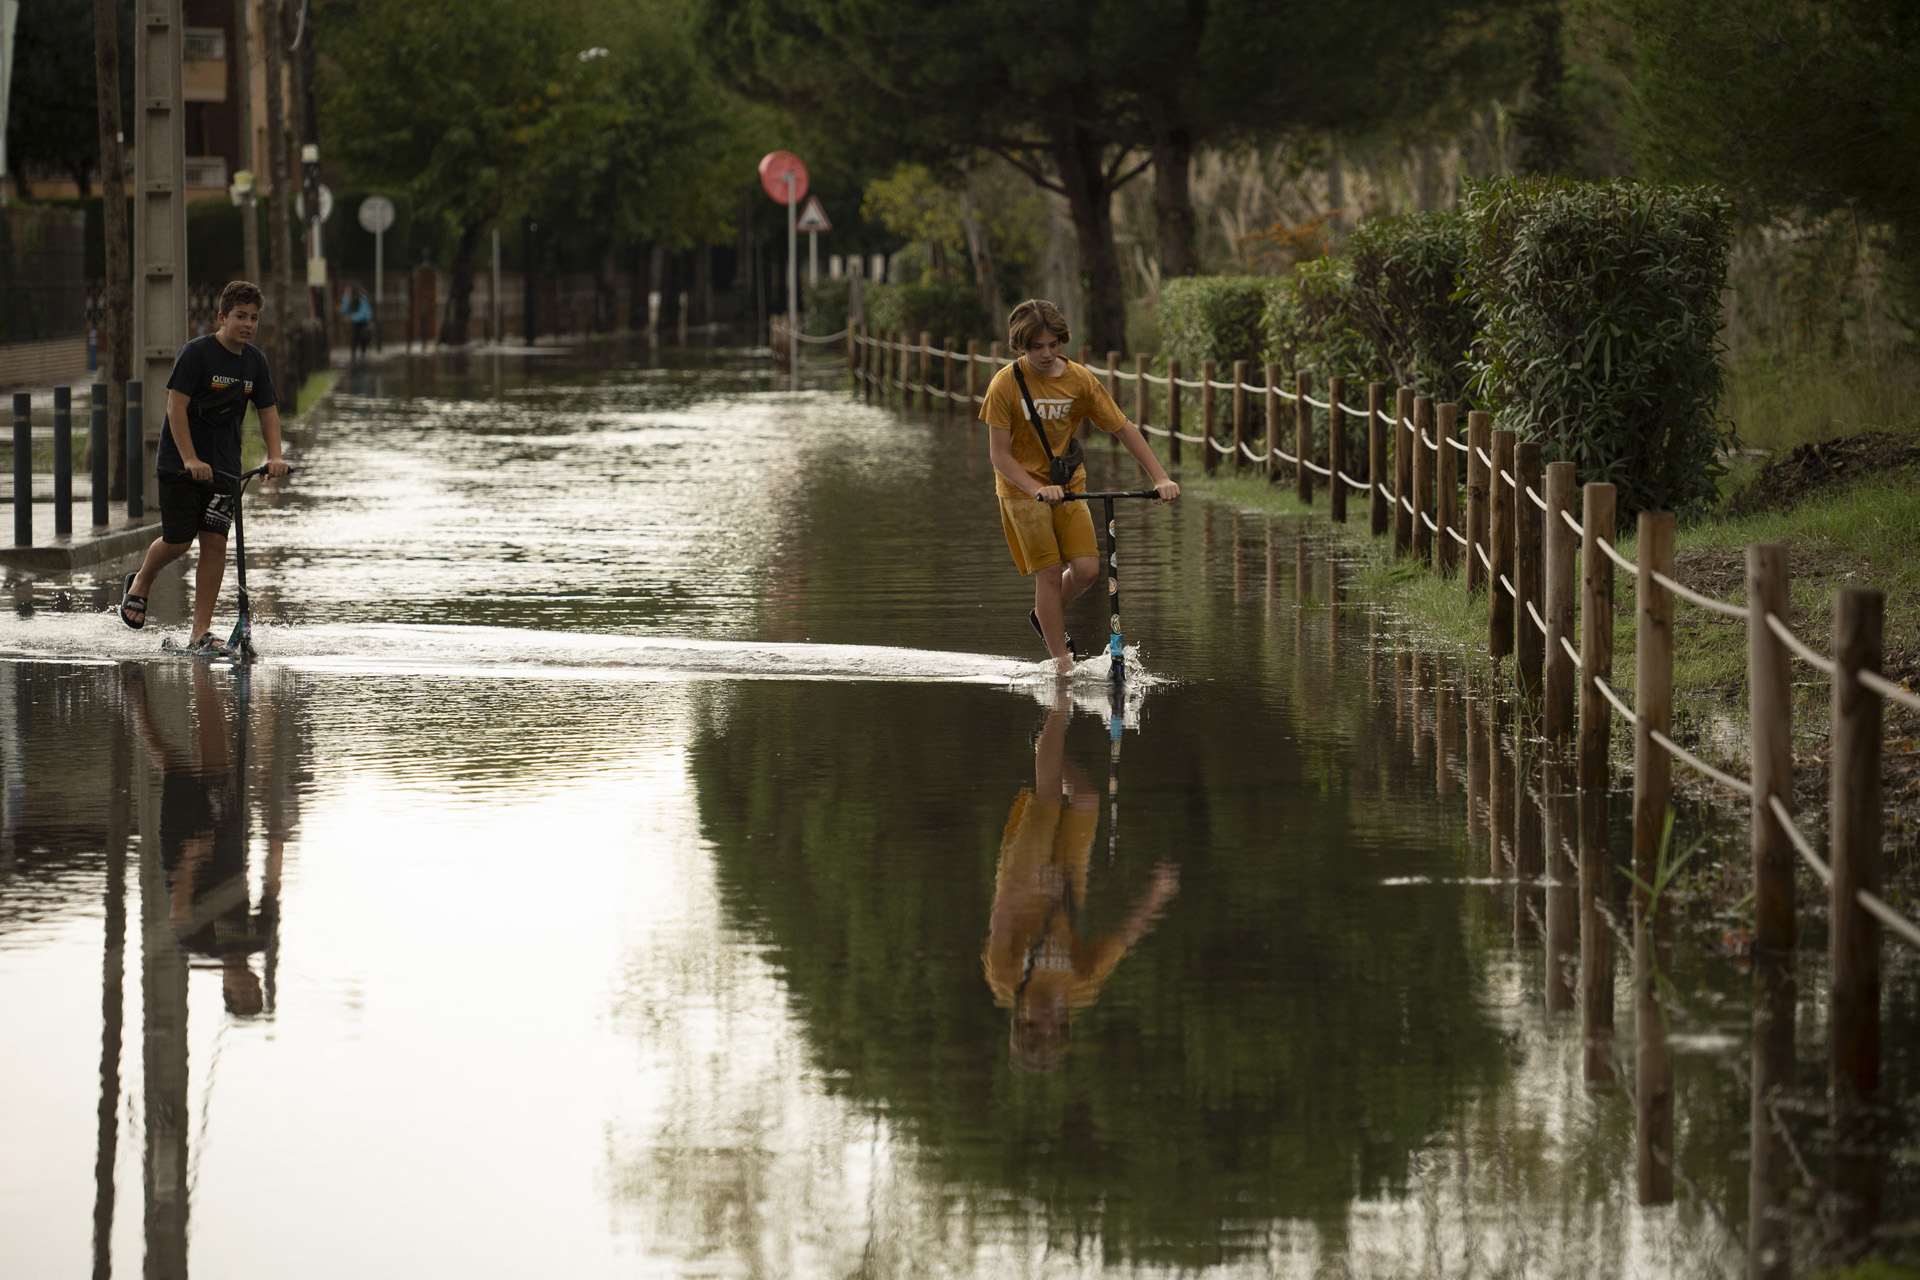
column 1033, row 616
column 210, row 645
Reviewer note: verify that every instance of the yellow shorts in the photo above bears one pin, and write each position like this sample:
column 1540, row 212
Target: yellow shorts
column 1040, row 535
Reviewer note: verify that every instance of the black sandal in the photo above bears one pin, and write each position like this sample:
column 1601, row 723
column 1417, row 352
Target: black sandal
column 128, row 600
column 1033, row 616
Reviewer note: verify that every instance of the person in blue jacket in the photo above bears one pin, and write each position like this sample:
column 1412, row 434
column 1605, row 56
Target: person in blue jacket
column 359, row 313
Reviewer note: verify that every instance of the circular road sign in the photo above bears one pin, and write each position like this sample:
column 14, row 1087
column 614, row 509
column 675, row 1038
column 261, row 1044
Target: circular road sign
column 326, row 204
column 376, row 214
column 774, row 168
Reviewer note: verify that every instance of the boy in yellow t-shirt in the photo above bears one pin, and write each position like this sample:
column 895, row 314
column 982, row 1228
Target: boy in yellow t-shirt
column 1052, row 531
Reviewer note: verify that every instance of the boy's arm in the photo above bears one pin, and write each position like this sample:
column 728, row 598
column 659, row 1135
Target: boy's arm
column 1142, row 452
column 1000, row 449
column 270, row 432
column 183, row 437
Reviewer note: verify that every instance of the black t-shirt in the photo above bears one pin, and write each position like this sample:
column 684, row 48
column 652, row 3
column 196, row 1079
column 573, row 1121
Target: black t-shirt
column 218, row 384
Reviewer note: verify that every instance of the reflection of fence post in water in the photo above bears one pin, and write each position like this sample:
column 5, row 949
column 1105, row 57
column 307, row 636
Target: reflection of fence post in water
column 1770, row 1167
column 1563, row 898
column 1479, row 440
column 112, row 997
column 163, row 989
column 1559, row 590
column 1446, row 727
column 1653, row 1061
column 1419, row 710
column 1854, row 943
column 1500, row 806
column 1529, row 640
column 1476, row 758
column 1528, row 860
column 1596, row 659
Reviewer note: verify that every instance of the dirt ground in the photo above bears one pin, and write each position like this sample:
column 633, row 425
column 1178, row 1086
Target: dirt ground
column 1815, row 468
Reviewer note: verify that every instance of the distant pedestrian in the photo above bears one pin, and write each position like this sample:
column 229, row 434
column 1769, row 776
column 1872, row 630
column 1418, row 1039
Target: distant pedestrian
column 359, row 313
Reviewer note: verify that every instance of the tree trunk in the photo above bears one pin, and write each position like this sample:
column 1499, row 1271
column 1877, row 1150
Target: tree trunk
column 280, row 201
column 1078, row 156
column 1173, row 203
column 460, row 295
column 113, row 217
column 985, row 279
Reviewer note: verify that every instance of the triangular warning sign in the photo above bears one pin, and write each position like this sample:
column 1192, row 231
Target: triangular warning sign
column 813, row 217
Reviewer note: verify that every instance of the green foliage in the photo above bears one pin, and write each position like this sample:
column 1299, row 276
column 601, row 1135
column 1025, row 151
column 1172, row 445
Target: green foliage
column 1791, row 106
column 53, row 121
column 1408, row 302
column 1601, row 312
column 826, row 304
column 215, row 244
column 944, row 310
column 910, row 203
column 1219, row 318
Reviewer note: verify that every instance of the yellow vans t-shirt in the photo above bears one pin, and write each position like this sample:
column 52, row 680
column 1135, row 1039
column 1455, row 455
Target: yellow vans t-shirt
column 1062, row 403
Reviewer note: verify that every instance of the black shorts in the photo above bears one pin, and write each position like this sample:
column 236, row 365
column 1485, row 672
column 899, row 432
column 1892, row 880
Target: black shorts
column 189, row 508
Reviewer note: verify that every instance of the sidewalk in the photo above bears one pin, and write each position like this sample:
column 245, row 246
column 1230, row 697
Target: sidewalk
column 86, row 547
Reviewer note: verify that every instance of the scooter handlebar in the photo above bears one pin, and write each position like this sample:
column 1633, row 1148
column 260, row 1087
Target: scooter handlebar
column 1111, row 493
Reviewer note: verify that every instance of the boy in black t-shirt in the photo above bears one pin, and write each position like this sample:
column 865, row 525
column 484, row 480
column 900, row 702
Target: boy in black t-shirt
column 213, row 379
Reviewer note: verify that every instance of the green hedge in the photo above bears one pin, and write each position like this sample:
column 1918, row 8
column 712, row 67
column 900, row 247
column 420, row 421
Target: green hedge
column 1221, row 318
column 944, row 310
column 826, row 303
column 1408, row 304
column 1601, row 309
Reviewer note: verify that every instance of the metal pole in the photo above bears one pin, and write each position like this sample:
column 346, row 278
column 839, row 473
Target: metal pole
column 22, row 469
column 380, row 268
column 499, row 311
column 97, row 451
column 136, row 465
column 813, row 257
column 793, row 283
column 62, row 460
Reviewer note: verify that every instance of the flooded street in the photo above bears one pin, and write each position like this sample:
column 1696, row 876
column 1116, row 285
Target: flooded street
column 640, row 852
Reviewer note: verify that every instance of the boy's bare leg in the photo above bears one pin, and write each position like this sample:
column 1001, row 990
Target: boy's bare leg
column 160, row 554
column 1053, row 588
column 208, row 575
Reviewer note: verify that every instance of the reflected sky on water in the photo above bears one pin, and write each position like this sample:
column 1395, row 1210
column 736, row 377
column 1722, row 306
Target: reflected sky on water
column 560, row 897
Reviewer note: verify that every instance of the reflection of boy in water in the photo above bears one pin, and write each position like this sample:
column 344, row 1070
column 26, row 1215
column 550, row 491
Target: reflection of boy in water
column 1036, row 961
column 203, row 843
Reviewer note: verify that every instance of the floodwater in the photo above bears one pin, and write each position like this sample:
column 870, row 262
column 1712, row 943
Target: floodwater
column 649, row 847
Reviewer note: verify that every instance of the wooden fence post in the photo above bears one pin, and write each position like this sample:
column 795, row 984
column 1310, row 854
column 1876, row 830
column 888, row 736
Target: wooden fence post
column 1529, row 639
column 1561, row 543
column 1142, row 400
column 1447, row 434
column 1596, row 661
column 1209, row 416
column 1302, row 436
column 946, row 375
column 1479, row 441
column 1770, row 734
column 973, row 385
column 850, row 350
column 1402, row 472
column 1086, row 355
column 1423, row 469
column 926, row 371
column 1241, row 408
column 1500, row 553
column 1173, row 408
column 1379, row 518
column 1337, row 450
column 1273, row 421
column 1854, row 935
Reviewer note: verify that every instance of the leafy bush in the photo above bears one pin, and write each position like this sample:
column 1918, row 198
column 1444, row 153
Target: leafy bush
column 944, row 310
column 1600, row 309
column 826, row 303
column 1408, row 304
column 1310, row 324
column 1215, row 318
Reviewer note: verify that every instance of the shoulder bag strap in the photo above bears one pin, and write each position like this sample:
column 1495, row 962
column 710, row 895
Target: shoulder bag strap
column 1033, row 414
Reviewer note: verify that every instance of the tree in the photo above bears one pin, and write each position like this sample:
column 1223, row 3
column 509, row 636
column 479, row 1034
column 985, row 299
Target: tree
column 1812, row 108
column 443, row 98
column 118, row 249
column 51, row 119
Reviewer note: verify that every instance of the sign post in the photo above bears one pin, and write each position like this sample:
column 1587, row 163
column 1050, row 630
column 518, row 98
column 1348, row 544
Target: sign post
column 784, row 177
column 376, row 215
column 813, row 220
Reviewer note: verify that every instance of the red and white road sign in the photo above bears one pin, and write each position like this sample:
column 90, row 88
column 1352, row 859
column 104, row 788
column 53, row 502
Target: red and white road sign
column 813, row 217
column 775, row 166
